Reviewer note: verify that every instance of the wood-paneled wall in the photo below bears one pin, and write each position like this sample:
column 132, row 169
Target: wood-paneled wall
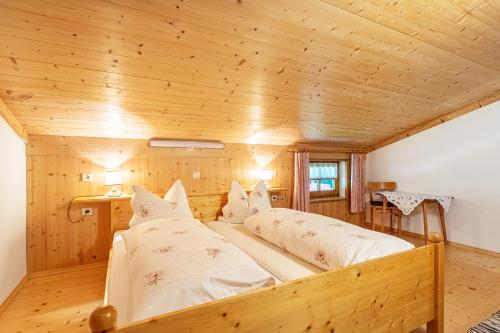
column 55, row 165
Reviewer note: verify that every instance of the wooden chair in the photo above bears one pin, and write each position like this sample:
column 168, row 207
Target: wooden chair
column 376, row 204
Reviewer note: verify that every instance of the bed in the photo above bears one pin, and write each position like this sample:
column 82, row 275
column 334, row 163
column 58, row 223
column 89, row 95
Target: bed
column 396, row 293
column 282, row 265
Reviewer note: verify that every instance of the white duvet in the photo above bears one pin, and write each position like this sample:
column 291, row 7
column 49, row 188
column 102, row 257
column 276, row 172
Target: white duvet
column 176, row 263
column 323, row 241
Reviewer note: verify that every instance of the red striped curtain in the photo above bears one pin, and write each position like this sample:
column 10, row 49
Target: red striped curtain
column 301, row 200
column 358, row 187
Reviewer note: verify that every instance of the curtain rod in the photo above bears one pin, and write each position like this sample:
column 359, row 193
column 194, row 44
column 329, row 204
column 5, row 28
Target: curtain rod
column 325, row 150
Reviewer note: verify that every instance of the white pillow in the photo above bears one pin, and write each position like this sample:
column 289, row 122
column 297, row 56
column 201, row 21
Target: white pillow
column 236, row 210
column 239, row 206
column 259, row 199
column 148, row 206
column 177, row 195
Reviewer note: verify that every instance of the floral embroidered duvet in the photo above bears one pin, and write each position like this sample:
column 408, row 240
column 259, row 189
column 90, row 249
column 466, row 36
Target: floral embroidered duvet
column 176, row 263
column 320, row 240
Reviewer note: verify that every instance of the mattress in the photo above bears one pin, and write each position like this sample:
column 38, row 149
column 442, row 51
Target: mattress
column 281, row 264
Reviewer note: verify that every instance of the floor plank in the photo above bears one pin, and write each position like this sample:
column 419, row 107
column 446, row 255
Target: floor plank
column 55, row 303
column 63, row 302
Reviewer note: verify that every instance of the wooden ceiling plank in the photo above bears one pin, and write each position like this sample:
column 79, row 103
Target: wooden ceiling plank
column 329, row 73
column 208, row 114
column 401, row 45
column 131, row 49
column 428, row 80
column 429, row 26
column 77, row 75
column 59, row 72
column 24, row 88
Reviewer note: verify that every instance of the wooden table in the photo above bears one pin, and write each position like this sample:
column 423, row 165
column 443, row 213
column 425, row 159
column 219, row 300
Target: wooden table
column 424, row 204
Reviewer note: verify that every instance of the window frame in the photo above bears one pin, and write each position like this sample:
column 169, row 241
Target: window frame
column 326, row 194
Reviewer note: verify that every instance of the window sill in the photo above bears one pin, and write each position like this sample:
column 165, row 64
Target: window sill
column 328, row 199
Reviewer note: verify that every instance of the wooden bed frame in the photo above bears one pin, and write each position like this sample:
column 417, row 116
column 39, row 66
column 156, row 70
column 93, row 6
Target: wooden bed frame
column 397, row 293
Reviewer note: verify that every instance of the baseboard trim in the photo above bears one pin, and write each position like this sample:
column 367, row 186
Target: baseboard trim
column 460, row 245
column 475, row 249
column 13, row 294
column 67, row 270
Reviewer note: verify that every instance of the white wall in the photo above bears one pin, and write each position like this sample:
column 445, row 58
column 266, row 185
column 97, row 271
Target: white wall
column 459, row 158
column 12, row 210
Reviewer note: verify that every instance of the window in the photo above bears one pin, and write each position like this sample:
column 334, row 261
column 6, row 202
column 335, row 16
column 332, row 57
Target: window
column 324, row 179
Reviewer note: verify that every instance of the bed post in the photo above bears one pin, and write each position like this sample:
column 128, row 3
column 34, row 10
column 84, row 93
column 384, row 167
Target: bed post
column 437, row 324
column 103, row 319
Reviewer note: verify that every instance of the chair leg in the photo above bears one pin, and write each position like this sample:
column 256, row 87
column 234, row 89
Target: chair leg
column 384, row 213
column 399, row 223
column 372, row 218
column 391, row 217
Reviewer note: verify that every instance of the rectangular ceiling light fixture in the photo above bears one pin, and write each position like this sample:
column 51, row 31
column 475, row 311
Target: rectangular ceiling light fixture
column 168, row 143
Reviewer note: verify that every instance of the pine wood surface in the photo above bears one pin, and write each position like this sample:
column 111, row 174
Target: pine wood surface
column 55, row 164
column 245, row 71
column 394, row 293
column 48, row 302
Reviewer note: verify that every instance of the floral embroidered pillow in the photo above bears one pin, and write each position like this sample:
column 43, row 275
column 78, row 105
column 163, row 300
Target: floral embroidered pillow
column 239, row 206
column 237, row 209
column 148, row 206
column 259, row 199
column 177, row 195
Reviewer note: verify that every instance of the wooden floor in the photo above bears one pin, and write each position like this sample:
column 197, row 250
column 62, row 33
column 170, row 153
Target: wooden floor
column 63, row 302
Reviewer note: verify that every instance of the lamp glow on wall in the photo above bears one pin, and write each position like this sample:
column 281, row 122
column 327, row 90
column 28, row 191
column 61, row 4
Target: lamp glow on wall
column 264, row 174
column 113, row 178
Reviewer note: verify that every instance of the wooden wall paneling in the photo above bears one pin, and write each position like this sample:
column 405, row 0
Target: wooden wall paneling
column 54, row 232
column 37, row 213
column 121, row 212
column 338, row 209
column 56, row 163
column 131, row 173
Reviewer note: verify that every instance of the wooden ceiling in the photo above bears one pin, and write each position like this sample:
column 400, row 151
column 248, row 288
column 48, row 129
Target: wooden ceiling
column 255, row 71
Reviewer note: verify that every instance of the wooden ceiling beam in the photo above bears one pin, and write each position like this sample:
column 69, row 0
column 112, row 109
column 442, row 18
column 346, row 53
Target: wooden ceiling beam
column 13, row 121
column 437, row 121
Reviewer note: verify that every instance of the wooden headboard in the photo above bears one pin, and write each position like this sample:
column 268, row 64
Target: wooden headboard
column 205, row 206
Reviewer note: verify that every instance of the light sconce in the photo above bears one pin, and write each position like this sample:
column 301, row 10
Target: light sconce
column 168, row 143
column 113, row 178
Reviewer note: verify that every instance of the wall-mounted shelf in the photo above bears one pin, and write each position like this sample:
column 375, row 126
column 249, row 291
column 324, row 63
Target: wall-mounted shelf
column 103, row 198
column 100, row 198
column 121, row 212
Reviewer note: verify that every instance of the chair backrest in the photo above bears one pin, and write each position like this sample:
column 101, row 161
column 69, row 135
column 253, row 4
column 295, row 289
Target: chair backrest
column 380, row 186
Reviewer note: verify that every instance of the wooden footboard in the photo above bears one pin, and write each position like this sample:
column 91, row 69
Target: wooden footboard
column 397, row 293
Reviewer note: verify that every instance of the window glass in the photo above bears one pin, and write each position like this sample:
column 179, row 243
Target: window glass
column 323, row 179
column 322, row 170
column 327, row 185
column 313, row 185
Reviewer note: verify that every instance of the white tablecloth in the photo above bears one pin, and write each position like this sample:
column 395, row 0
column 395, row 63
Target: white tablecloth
column 407, row 202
